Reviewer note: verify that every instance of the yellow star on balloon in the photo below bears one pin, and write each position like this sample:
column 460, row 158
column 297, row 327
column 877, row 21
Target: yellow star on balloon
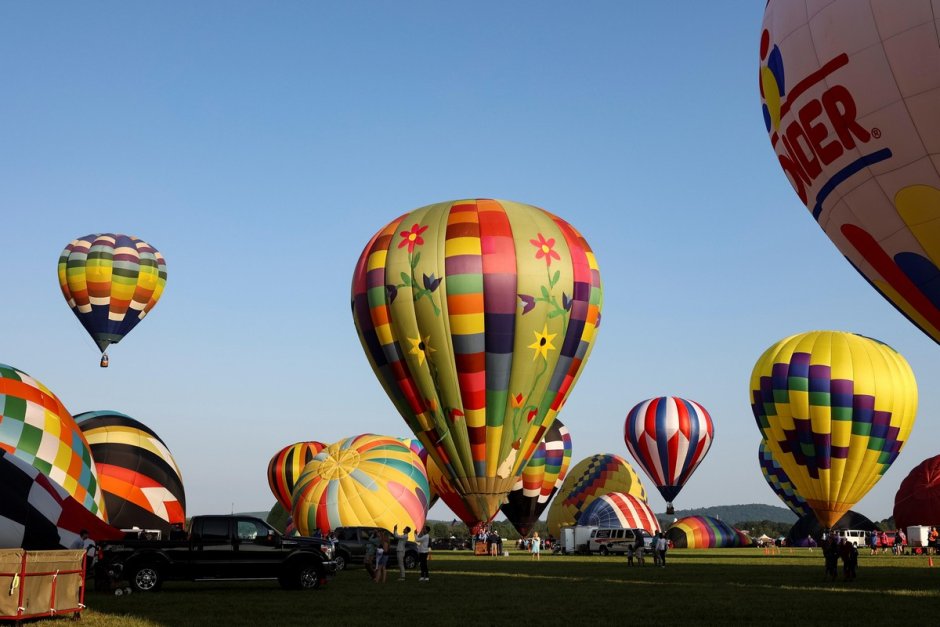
column 422, row 348
column 542, row 343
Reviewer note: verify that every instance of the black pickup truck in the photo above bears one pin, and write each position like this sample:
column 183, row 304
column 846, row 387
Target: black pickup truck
column 219, row 547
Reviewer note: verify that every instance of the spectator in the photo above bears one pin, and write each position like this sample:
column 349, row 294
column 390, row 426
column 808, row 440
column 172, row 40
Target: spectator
column 424, row 550
column 536, row 545
column 401, row 546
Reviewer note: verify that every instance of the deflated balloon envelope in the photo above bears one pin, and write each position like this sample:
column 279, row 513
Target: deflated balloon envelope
column 849, row 94
column 477, row 317
column 367, row 480
column 705, row 532
column 143, row 486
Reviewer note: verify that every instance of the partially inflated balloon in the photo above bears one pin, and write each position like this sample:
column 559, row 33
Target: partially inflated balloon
column 850, row 92
column 477, row 317
column 835, row 409
column 705, row 532
column 442, row 489
column 111, row 282
column 143, row 486
column 368, row 480
column 669, row 437
column 620, row 511
column 38, row 513
column 917, row 501
column 285, row 467
column 541, row 478
column 591, row 478
column 429, row 465
column 779, row 482
column 35, row 426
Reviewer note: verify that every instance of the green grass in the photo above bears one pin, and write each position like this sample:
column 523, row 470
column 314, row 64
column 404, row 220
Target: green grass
column 741, row 586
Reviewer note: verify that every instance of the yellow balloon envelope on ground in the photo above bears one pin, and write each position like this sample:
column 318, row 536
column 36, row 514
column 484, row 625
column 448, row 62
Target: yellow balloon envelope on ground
column 368, row 480
column 835, row 409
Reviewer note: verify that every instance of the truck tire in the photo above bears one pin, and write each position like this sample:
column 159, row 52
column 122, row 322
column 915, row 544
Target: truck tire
column 604, row 550
column 145, row 577
column 411, row 560
column 301, row 575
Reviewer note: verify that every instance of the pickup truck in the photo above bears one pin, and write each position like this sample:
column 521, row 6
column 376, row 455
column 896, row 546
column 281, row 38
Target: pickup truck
column 219, row 547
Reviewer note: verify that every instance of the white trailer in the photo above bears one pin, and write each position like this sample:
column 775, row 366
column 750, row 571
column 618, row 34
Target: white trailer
column 918, row 536
column 574, row 538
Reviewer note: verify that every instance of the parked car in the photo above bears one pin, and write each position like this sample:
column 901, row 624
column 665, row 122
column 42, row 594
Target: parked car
column 217, row 547
column 351, row 547
column 449, row 544
column 607, row 541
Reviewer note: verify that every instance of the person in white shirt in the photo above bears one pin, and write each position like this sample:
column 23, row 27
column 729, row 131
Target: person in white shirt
column 402, row 540
column 424, row 549
column 661, row 545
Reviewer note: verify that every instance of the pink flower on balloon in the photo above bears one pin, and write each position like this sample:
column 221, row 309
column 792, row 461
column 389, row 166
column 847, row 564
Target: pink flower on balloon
column 546, row 248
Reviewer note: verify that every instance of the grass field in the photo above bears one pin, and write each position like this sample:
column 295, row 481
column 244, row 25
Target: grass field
column 741, row 586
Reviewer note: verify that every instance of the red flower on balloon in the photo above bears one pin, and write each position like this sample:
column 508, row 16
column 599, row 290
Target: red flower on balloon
column 412, row 238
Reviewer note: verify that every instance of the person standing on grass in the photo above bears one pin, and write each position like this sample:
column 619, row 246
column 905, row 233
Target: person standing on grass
column 873, row 542
column 424, row 550
column 536, row 545
column 661, row 546
column 372, row 545
column 400, row 548
column 899, row 541
column 381, row 557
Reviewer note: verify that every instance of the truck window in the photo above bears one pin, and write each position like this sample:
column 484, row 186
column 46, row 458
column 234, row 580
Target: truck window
column 214, row 529
column 250, row 530
column 602, row 533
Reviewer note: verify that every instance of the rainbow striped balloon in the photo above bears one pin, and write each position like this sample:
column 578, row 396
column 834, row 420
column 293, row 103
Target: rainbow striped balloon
column 111, row 282
column 540, row 479
column 591, row 478
column 779, row 482
column 367, row 480
column 285, row 467
column 477, row 317
column 705, row 532
column 36, row 428
column 619, row 510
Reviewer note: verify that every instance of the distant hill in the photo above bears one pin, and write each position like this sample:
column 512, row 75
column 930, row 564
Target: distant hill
column 732, row 514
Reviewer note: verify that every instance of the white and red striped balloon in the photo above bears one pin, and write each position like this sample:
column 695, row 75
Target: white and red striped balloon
column 668, row 436
column 617, row 509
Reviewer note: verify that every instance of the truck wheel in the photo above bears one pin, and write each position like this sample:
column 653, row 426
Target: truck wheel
column 341, row 561
column 146, row 578
column 307, row 576
column 411, row 561
column 604, row 551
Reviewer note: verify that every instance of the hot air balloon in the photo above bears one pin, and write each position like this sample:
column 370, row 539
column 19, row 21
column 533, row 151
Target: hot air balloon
column 36, row 427
column 285, row 467
column 142, row 484
column 368, row 480
column 541, row 478
column 620, row 511
column 835, row 409
column 779, row 482
column 443, row 490
column 38, row 513
column 111, row 282
column 668, row 437
column 477, row 316
column 917, row 501
column 705, row 532
column 849, row 94
column 591, row 478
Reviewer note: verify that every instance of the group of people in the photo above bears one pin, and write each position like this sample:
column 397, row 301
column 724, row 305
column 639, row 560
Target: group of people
column 880, row 540
column 378, row 550
column 638, row 550
column 834, row 548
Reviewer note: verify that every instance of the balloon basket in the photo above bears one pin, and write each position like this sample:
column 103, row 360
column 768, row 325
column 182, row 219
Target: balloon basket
column 104, row 361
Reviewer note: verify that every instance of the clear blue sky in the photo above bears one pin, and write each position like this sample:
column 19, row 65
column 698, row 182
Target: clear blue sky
column 259, row 145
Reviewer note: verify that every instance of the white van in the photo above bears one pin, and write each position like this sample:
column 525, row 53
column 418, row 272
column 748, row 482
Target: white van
column 857, row 537
column 606, row 541
column 574, row 538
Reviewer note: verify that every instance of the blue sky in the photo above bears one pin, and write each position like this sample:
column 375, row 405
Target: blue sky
column 259, row 145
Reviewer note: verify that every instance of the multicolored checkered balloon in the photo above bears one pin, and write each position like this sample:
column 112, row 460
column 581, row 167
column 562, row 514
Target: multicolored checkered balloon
column 779, row 482
column 36, row 428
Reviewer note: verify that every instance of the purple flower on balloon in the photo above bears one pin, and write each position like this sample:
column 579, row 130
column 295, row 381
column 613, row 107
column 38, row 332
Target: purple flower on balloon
column 528, row 303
